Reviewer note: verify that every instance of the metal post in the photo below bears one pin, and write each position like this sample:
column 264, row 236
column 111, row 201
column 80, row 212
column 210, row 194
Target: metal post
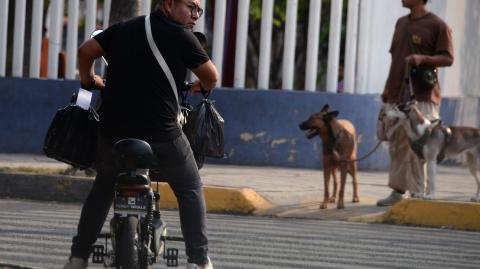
column 54, row 38
column 145, row 8
column 351, row 46
column 72, row 33
column 334, row 45
column 90, row 17
column 289, row 48
column 36, row 39
column 265, row 44
column 106, row 13
column 312, row 45
column 107, row 5
column 200, row 26
column 218, row 37
column 241, row 44
column 363, row 46
column 18, row 38
column 3, row 35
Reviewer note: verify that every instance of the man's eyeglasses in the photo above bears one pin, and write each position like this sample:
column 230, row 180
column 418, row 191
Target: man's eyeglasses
column 194, row 9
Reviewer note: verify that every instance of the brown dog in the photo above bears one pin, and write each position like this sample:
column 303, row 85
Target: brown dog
column 339, row 151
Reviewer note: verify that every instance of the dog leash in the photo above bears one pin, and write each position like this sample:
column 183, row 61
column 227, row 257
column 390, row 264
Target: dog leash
column 408, row 80
column 366, row 155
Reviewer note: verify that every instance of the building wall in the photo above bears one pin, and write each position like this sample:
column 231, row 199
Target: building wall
column 377, row 22
column 261, row 127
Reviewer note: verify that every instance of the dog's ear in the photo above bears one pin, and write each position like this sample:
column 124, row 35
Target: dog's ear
column 330, row 115
column 325, row 108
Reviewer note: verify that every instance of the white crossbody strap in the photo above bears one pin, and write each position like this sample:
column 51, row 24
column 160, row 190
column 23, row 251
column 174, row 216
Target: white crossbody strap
column 159, row 57
column 181, row 119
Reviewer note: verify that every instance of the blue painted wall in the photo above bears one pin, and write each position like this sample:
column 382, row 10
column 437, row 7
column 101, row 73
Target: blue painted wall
column 26, row 108
column 261, row 127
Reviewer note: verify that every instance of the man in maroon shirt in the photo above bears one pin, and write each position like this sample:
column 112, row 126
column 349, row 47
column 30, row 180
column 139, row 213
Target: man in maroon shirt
column 421, row 40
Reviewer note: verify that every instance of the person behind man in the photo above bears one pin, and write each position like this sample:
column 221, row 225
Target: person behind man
column 138, row 102
column 421, row 39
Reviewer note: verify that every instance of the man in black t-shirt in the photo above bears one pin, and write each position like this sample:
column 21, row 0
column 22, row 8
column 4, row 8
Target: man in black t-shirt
column 138, row 102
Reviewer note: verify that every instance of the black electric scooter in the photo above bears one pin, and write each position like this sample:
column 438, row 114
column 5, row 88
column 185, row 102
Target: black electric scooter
column 137, row 234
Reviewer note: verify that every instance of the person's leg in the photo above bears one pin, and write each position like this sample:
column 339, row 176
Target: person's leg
column 416, row 182
column 192, row 211
column 404, row 170
column 397, row 172
column 405, row 173
column 96, row 206
column 179, row 169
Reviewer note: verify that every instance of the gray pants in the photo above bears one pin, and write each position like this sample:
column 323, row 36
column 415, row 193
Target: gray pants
column 178, row 168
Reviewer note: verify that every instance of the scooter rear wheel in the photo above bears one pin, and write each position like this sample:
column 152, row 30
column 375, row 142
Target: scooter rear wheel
column 130, row 243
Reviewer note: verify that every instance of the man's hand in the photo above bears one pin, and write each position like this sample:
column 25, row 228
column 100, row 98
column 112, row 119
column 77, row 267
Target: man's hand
column 99, row 83
column 438, row 60
column 415, row 59
column 197, row 87
column 94, row 83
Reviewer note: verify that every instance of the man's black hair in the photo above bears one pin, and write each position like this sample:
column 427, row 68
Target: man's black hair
column 425, row 1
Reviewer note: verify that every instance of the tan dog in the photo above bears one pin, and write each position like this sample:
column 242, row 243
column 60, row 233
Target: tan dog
column 339, row 151
column 433, row 142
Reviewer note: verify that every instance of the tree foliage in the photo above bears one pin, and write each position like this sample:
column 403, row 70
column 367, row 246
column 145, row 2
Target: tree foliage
column 278, row 31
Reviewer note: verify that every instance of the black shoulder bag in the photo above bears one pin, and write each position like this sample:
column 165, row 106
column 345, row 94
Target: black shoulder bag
column 72, row 135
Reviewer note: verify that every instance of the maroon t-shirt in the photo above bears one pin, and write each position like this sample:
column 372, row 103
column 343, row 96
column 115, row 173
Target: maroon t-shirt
column 429, row 35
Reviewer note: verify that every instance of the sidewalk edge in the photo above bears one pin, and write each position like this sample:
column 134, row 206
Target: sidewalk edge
column 63, row 188
column 16, row 266
column 429, row 213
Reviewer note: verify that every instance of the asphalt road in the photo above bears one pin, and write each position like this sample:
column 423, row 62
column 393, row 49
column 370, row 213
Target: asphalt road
column 38, row 234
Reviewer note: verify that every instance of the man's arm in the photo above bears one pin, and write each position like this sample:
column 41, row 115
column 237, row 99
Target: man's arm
column 87, row 53
column 207, row 75
column 439, row 60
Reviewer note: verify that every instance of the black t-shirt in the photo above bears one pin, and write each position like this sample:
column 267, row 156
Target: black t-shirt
column 138, row 100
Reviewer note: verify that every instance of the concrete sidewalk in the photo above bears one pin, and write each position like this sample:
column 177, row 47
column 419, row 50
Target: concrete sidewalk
column 274, row 191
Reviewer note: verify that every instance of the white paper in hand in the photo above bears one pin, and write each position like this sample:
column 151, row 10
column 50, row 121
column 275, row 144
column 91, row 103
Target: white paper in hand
column 84, row 98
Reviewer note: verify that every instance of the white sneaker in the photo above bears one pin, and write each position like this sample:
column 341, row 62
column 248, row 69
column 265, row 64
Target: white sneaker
column 196, row 266
column 76, row 263
column 392, row 199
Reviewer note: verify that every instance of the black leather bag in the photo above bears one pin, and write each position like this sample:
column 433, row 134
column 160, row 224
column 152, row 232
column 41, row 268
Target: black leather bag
column 72, row 136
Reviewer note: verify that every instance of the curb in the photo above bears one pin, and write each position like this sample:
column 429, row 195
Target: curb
column 60, row 188
column 428, row 213
column 220, row 199
column 438, row 213
column 13, row 266
column 63, row 188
